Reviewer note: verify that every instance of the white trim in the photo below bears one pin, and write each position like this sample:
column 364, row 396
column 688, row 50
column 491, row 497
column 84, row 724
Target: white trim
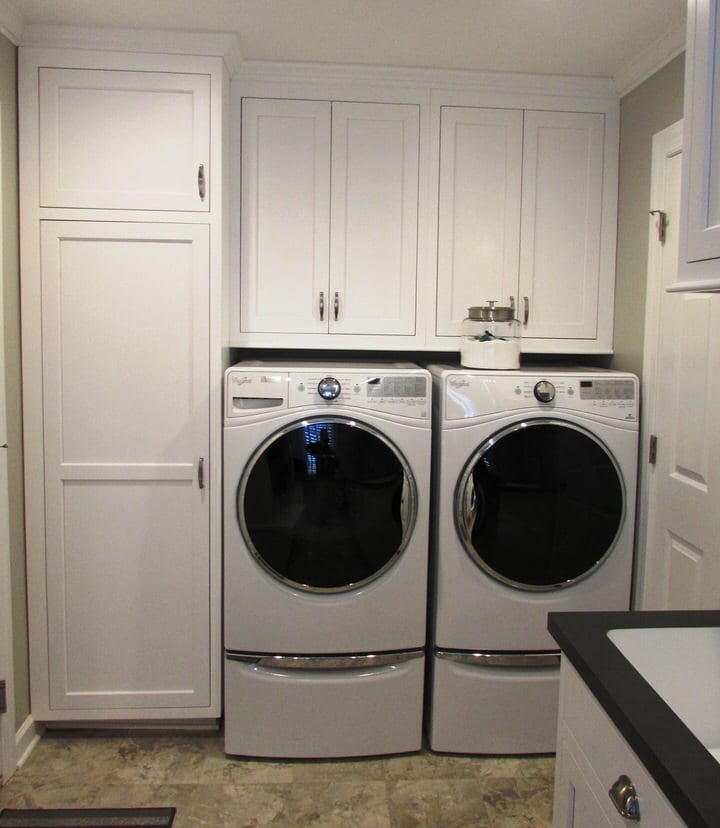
column 264, row 71
column 209, row 44
column 657, row 55
column 12, row 24
column 27, row 738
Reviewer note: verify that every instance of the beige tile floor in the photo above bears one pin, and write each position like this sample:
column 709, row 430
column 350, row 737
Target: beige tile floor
column 210, row 790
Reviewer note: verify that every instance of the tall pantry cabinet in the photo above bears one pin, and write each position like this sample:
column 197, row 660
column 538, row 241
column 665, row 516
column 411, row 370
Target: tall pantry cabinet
column 122, row 257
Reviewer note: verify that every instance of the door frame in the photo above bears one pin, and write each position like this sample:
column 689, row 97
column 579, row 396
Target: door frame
column 666, row 143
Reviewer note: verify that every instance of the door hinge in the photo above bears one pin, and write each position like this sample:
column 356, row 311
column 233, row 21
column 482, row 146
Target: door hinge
column 652, row 450
column 661, row 224
column 3, row 696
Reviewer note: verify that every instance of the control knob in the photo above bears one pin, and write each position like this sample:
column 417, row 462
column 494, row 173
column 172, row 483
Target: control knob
column 544, row 391
column 329, row 388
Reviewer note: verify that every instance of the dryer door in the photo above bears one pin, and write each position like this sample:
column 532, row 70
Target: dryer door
column 326, row 504
column 540, row 504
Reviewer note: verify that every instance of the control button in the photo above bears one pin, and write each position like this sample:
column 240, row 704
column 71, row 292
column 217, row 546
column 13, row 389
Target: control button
column 544, row 391
column 329, row 388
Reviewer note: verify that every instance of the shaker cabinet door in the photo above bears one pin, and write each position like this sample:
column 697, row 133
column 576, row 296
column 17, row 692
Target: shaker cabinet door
column 374, row 212
column 561, row 224
column 479, row 211
column 125, row 343
column 124, row 140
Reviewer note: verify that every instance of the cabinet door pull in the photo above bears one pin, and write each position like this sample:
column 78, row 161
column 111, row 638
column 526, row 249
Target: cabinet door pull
column 336, row 305
column 201, row 473
column 624, row 798
column 201, row 182
column 321, row 306
column 526, row 310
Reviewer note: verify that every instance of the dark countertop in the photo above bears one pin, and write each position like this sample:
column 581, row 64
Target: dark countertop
column 683, row 769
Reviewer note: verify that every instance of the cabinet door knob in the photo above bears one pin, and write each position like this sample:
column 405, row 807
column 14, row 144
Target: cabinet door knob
column 624, row 797
column 201, row 182
column 201, row 473
column 526, row 310
column 336, row 305
column 321, row 305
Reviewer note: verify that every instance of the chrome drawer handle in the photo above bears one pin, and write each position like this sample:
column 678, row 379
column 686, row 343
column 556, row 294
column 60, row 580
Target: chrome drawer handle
column 624, row 797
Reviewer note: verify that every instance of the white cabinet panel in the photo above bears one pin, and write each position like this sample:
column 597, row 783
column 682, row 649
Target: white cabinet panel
column 561, row 222
column 124, row 140
column 479, row 211
column 373, row 250
column 285, row 215
column 125, row 335
column 700, row 214
column 328, row 218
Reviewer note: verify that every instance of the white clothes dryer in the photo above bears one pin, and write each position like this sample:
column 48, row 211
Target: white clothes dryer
column 326, row 504
column 534, row 475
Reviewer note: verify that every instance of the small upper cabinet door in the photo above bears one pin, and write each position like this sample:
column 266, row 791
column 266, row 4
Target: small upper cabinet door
column 124, row 140
column 285, row 215
column 699, row 266
column 374, row 213
column 479, row 215
column 561, row 224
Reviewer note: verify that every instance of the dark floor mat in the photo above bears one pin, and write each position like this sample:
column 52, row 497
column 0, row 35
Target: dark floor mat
column 87, row 817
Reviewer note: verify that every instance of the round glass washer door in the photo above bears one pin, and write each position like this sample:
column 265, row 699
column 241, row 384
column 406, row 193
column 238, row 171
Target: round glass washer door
column 540, row 504
column 326, row 504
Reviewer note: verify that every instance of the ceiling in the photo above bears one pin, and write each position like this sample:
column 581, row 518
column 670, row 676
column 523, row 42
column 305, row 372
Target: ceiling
column 566, row 37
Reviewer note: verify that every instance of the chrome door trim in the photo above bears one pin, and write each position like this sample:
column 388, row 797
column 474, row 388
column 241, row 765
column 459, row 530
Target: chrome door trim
column 539, row 659
column 362, row 661
column 468, row 503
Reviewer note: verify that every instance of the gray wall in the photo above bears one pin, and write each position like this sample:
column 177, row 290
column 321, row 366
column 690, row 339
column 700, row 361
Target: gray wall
column 649, row 108
column 11, row 298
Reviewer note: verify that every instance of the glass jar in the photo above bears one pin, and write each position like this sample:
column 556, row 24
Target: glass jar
column 490, row 338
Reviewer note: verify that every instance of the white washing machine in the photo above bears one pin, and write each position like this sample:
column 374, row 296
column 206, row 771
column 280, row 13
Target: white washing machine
column 534, row 475
column 326, row 503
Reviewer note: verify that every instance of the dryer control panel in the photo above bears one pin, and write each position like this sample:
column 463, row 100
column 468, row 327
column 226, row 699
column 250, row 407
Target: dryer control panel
column 612, row 395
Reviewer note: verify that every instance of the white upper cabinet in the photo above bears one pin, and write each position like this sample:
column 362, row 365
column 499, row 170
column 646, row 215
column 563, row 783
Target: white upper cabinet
column 699, row 265
column 561, row 225
column 329, row 206
column 479, row 211
column 124, row 139
column 520, row 222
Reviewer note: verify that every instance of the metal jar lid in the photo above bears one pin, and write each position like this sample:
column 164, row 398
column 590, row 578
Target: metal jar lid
column 491, row 313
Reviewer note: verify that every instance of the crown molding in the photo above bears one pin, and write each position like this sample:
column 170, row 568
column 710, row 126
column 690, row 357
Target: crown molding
column 206, row 44
column 651, row 60
column 12, row 24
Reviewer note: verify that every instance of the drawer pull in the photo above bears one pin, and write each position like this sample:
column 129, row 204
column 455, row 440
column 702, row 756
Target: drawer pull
column 625, row 799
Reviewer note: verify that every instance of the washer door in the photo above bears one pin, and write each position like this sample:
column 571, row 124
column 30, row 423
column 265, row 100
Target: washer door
column 540, row 504
column 326, row 504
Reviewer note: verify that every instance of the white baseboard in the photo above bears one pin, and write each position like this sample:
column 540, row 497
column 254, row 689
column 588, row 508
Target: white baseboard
column 27, row 738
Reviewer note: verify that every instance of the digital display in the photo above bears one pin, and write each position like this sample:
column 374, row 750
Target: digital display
column 397, row 387
column 607, row 389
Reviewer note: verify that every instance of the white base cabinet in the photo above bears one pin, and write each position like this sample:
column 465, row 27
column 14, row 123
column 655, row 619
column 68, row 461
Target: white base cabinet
column 591, row 756
column 122, row 262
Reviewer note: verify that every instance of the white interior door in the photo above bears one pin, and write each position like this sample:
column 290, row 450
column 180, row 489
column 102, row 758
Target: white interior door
column 680, row 561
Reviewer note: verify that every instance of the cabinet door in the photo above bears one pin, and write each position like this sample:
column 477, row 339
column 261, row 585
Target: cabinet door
column 125, row 140
column 700, row 215
column 561, row 224
column 374, row 210
column 479, row 217
column 285, row 216
column 125, row 384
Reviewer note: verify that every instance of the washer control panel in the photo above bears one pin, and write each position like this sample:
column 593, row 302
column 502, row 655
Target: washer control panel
column 252, row 391
column 610, row 395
